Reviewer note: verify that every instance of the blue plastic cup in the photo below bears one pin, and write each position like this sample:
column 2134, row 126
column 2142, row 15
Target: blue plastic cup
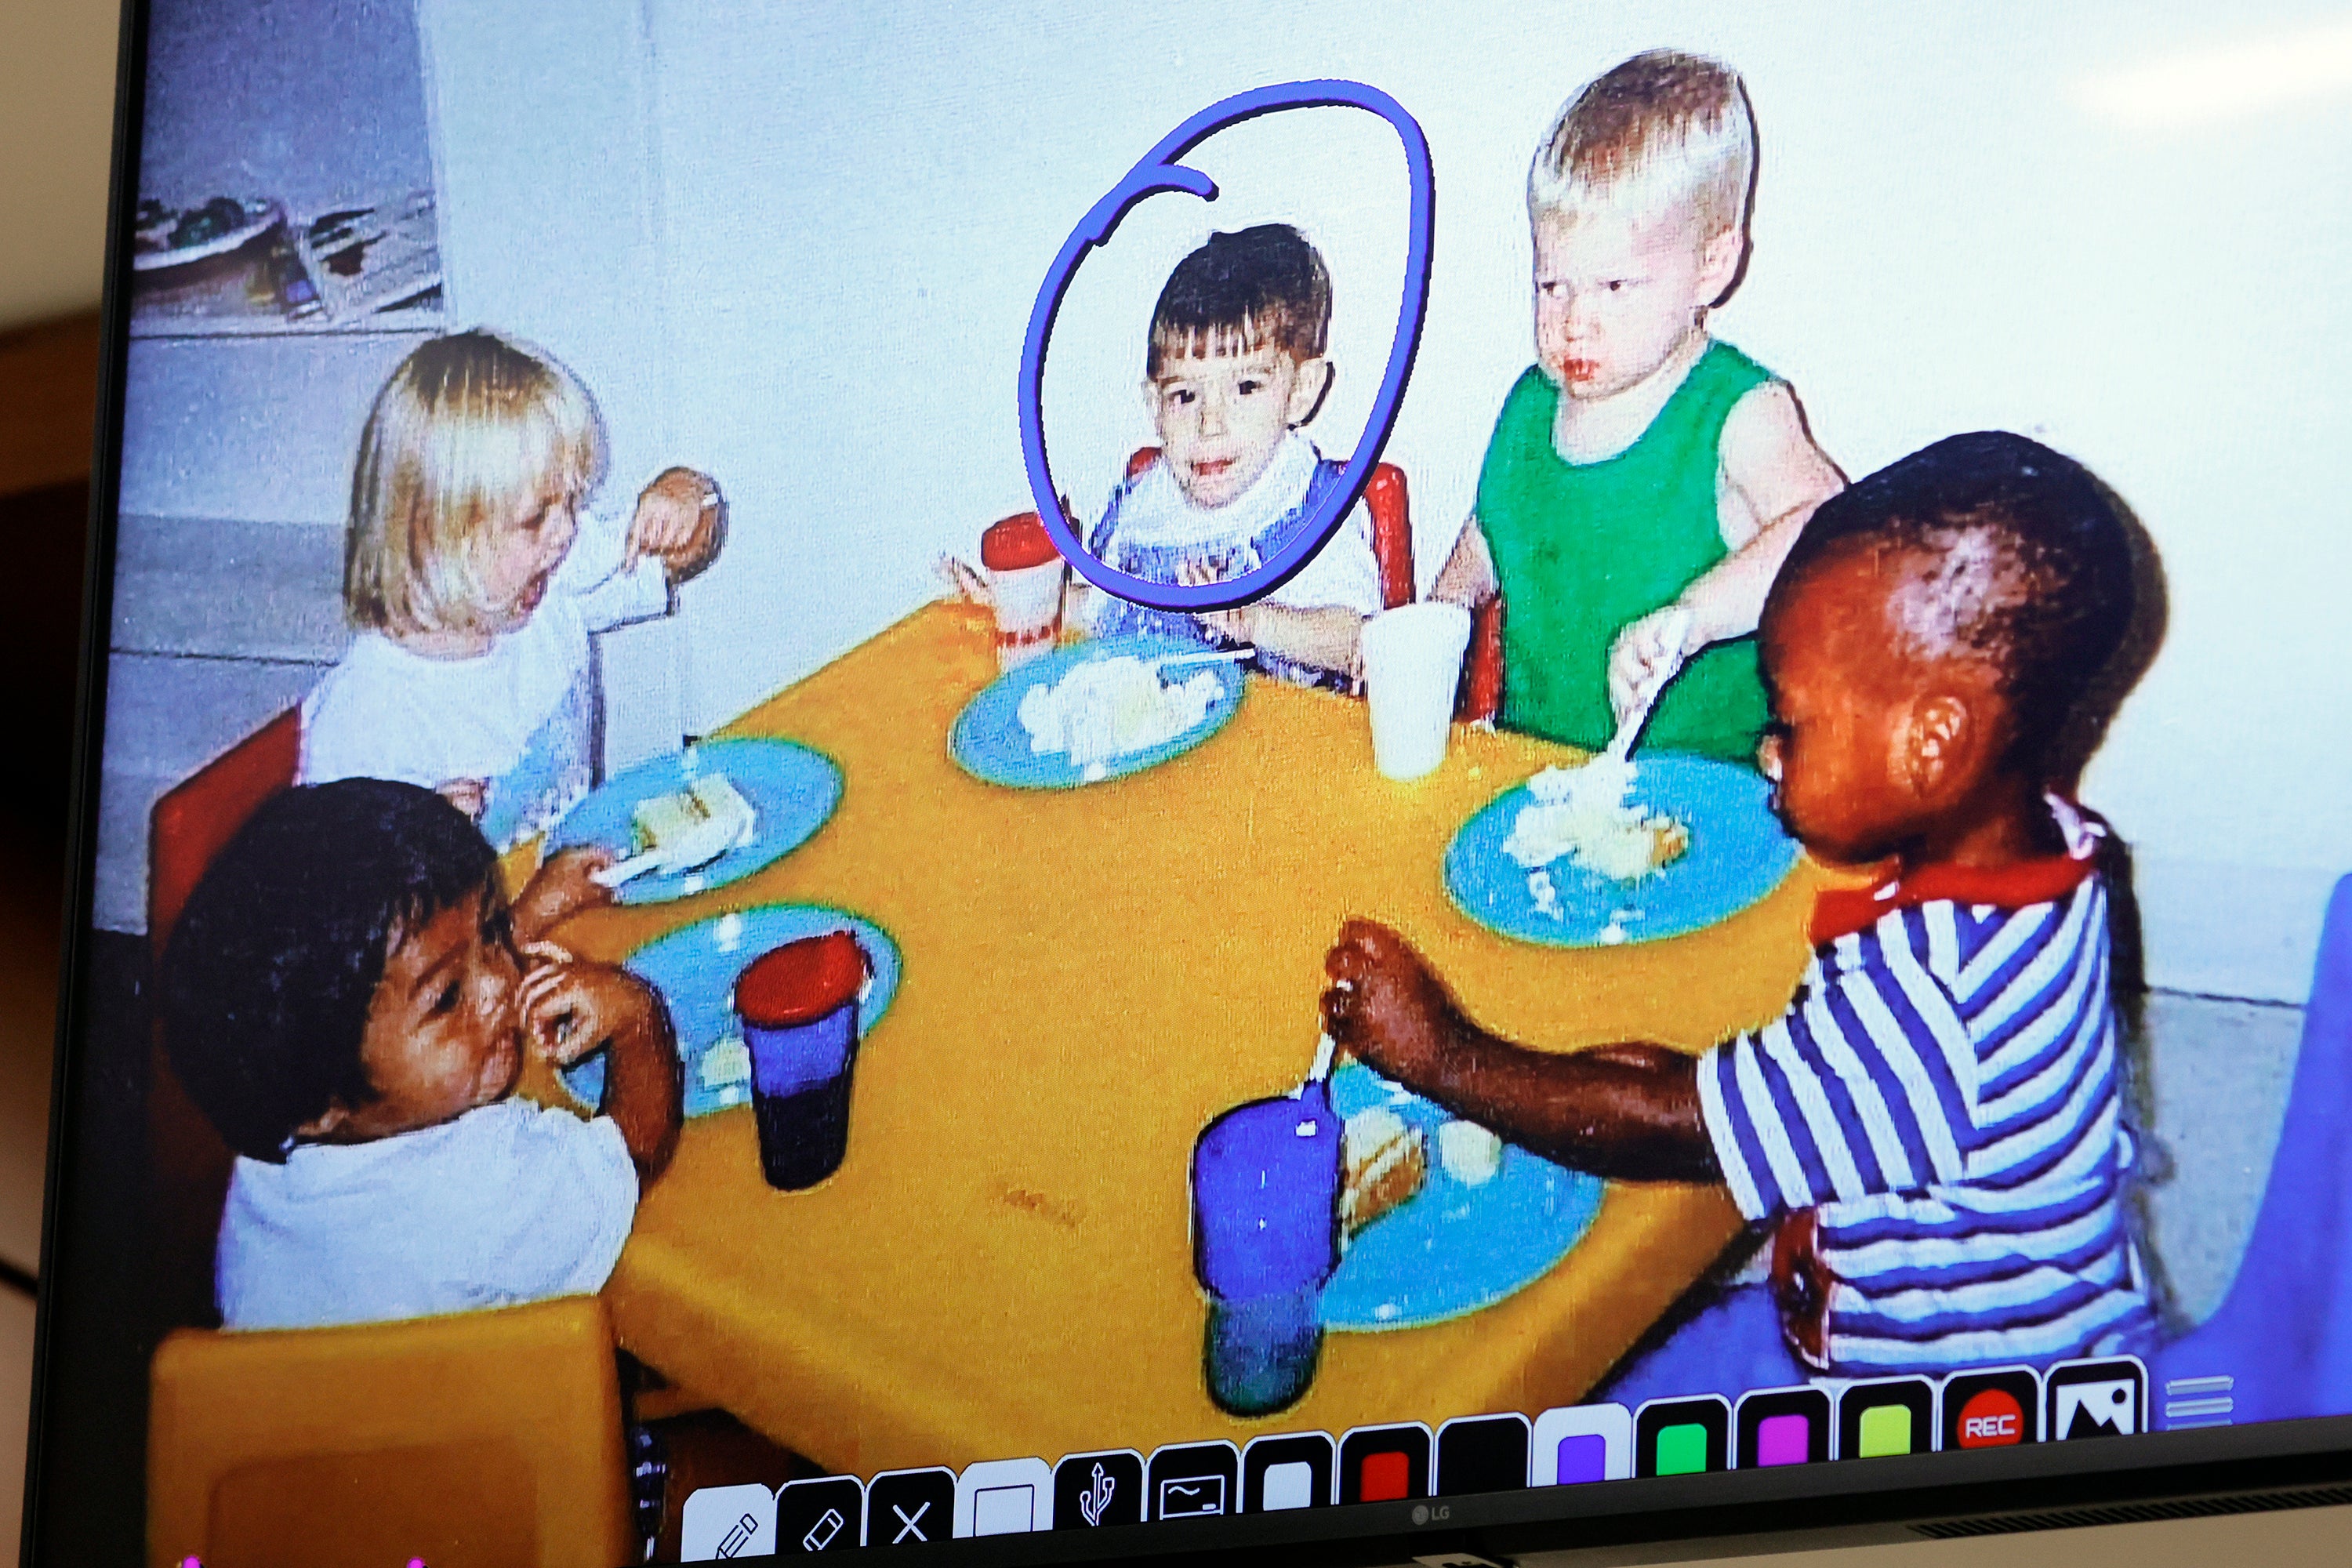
column 798, row 1006
column 1266, row 1236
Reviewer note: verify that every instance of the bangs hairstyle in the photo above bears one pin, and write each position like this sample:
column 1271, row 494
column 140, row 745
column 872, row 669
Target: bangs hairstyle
column 468, row 424
column 2002, row 551
column 1665, row 132
column 274, row 963
column 1240, row 293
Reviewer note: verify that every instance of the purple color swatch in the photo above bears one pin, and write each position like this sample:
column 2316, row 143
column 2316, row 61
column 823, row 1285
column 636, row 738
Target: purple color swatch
column 1583, row 1457
column 1784, row 1440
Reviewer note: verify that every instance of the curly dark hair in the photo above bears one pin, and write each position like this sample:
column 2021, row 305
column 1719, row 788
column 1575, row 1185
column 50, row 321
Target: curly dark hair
column 1254, row 286
column 269, row 973
column 2009, row 552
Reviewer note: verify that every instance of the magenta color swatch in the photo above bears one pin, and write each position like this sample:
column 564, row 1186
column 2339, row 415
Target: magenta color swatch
column 1784, row 1440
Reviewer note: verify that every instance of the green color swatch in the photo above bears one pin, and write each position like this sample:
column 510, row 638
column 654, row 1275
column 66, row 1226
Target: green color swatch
column 1886, row 1429
column 1682, row 1451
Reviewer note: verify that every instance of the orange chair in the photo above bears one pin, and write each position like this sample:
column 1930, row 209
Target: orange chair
column 490, row 1438
column 1385, row 499
column 188, row 1164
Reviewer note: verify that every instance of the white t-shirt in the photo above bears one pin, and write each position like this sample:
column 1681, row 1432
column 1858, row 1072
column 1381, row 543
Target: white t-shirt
column 507, row 1204
column 525, row 715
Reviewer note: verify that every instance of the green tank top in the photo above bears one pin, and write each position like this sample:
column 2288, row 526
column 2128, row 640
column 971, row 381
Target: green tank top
column 1581, row 549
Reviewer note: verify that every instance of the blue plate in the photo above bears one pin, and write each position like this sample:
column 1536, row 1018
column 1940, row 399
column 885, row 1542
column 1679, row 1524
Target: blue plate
column 989, row 743
column 1736, row 855
column 695, row 968
column 792, row 789
column 1450, row 1249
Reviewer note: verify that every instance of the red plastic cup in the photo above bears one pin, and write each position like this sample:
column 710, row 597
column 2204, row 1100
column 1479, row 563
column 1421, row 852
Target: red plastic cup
column 1025, row 577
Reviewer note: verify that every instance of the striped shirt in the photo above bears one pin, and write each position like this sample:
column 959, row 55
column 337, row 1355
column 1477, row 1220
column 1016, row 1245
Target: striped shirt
column 1945, row 1093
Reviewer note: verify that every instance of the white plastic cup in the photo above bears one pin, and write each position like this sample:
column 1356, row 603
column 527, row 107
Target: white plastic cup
column 1025, row 577
column 1413, row 667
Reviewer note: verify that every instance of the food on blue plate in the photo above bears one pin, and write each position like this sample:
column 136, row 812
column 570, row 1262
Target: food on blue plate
column 726, row 1064
column 1470, row 1154
column 696, row 825
column 1383, row 1162
column 1581, row 813
column 1105, row 709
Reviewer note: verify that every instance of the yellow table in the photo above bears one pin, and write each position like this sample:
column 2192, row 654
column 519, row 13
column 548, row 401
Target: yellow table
column 1003, row 1265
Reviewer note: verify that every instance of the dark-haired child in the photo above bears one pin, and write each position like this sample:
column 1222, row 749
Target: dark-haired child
column 1234, row 365
column 1936, row 1125
column 345, row 996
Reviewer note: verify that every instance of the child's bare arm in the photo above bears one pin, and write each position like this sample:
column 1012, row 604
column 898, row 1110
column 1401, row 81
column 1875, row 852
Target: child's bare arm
column 563, row 885
column 571, row 1010
column 1468, row 576
column 1629, row 1112
column 1772, row 476
column 1325, row 636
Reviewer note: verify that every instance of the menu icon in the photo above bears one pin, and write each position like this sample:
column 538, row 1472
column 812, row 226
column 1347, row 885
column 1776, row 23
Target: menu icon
column 1091, row 1490
column 1997, row 1409
column 1194, row 1480
column 1381, row 1464
column 2106, row 1398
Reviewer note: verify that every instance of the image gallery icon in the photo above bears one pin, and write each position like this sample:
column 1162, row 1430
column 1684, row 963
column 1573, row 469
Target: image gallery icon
column 2105, row 1398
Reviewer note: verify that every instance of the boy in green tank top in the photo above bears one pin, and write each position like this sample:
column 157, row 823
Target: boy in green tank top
column 1645, row 481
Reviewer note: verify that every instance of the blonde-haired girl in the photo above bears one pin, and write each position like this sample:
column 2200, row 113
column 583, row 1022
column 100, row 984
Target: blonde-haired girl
column 474, row 583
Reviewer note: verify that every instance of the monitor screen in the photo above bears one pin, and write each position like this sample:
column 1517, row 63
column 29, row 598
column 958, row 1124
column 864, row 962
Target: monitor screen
column 1105, row 784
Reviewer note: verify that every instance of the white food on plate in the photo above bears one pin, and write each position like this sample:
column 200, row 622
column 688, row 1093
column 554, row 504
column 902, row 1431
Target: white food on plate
column 1110, row 708
column 726, row 1062
column 694, row 825
column 1470, row 1154
column 1581, row 813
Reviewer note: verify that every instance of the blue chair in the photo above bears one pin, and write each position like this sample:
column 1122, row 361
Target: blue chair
column 2281, row 1346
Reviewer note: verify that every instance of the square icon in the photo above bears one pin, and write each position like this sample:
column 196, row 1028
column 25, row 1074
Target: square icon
column 1091, row 1490
column 1003, row 1497
column 1482, row 1454
column 1382, row 1464
column 1683, row 1436
column 2103, row 1398
column 721, row 1523
column 1996, row 1409
column 1578, row 1443
column 1287, row 1472
column 1890, row 1416
column 910, row 1507
column 1783, row 1427
column 1194, row 1480
column 827, row 1514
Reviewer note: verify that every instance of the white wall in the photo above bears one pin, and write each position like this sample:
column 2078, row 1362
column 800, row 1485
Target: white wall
column 1963, row 221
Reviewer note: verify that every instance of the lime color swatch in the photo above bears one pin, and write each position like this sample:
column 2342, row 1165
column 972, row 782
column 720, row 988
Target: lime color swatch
column 1682, row 1451
column 1886, row 1429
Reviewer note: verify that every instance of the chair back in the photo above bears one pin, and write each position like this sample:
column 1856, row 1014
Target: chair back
column 1389, row 505
column 490, row 1438
column 2281, row 1346
column 1481, row 698
column 188, row 1164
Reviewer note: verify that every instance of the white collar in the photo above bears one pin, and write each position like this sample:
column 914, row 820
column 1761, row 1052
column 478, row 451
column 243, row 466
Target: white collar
column 1156, row 512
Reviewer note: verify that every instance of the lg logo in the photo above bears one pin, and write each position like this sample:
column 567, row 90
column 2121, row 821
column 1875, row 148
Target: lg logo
column 1424, row 1514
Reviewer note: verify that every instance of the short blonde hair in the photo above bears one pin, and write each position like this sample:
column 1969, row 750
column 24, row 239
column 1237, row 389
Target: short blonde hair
column 468, row 424
column 1663, row 131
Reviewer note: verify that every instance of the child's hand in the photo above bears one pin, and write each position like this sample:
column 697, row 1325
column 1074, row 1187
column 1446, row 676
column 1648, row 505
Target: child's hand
column 559, row 889
column 571, row 1010
column 965, row 582
column 1647, row 654
column 677, row 522
column 471, row 796
column 1385, row 1005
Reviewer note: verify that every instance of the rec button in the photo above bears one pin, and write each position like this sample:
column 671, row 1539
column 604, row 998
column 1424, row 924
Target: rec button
column 1992, row 1409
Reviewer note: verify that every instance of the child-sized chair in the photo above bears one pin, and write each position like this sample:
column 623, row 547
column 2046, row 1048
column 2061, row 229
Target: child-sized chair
column 1385, row 499
column 484, row 1437
column 188, row 1164
column 2281, row 1346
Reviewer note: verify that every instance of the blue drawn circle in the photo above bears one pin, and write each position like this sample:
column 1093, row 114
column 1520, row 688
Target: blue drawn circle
column 1452, row 1249
column 1159, row 171
column 792, row 790
column 1737, row 854
column 988, row 741
column 695, row 969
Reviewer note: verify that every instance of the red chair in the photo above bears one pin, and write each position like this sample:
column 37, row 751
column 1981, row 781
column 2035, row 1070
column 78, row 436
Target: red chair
column 1385, row 499
column 189, row 1164
column 1480, row 700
